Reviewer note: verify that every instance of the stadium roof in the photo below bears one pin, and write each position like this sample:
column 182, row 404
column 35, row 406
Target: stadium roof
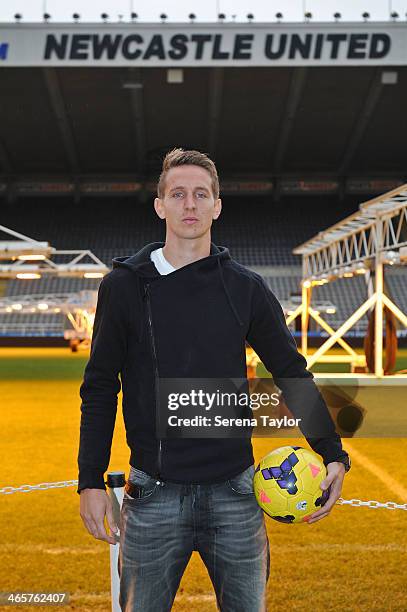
column 303, row 121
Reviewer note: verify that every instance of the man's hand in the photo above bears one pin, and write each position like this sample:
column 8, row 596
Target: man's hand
column 335, row 476
column 94, row 505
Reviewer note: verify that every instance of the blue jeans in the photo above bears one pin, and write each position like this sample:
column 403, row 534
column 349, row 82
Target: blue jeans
column 160, row 529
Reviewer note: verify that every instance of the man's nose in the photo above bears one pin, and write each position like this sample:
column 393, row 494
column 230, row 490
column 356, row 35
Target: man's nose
column 190, row 201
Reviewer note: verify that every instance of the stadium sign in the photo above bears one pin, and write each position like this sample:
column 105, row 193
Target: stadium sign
column 133, row 44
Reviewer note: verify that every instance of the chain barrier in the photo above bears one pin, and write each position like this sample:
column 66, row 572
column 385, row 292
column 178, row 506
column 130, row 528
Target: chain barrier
column 372, row 504
column 43, row 486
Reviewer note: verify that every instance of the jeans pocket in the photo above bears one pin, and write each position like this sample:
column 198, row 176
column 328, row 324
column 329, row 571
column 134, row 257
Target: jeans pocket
column 141, row 486
column 243, row 482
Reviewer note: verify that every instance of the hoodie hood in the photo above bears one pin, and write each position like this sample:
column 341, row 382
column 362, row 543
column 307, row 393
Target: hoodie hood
column 141, row 264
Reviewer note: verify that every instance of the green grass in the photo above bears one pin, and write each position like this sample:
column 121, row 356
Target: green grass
column 401, row 363
column 352, row 560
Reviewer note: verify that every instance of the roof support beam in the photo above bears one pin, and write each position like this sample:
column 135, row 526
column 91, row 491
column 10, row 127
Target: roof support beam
column 215, row 104
column 64, row 125
column 5, row 163
column 5, row 170
column 137, row 111
column 296, row 88
column 362, row 121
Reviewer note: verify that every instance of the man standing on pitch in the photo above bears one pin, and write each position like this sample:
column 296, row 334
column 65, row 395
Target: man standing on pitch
column 178, row 310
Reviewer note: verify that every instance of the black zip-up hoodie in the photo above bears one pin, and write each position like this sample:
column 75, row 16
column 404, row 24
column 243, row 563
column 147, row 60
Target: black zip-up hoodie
column 192, row 323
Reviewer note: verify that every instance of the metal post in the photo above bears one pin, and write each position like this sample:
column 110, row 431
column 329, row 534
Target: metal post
column 378, row 332
column 115, row 488
column 342, row 329
column 304, row 320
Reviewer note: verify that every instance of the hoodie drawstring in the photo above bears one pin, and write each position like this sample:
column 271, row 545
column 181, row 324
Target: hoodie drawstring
column 238, row 319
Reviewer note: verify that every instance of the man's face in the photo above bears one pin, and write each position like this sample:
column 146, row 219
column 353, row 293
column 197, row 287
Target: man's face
column 188, row 205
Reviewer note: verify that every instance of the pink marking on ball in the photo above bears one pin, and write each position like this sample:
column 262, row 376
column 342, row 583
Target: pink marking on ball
column 315, row 470
column 264, row 498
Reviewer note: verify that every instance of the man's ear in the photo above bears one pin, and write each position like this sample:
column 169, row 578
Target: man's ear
column 159, row 208
column 217, row 208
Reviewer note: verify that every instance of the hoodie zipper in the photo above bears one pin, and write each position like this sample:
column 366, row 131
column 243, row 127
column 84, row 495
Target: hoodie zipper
column 150, row 326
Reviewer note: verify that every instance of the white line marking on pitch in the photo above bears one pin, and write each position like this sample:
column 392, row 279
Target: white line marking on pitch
column 202, row 597
column 395, row 487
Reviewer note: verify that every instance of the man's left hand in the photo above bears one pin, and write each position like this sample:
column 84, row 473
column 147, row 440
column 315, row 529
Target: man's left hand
column 334, row 477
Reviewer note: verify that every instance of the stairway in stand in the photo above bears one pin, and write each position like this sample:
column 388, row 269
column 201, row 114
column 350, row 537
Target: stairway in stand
column 3, row 287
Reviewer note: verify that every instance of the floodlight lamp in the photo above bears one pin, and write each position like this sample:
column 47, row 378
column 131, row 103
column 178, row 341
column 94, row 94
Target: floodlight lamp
column 18, row 17
column 28, row 275
column 394, row 15
column 104, row 17
column 93, row 275
column 192, row 17
column 308, row 16
column 390, row 257
column 250, row 17
column 337, row 16
column 360, row 268
column 76, row 17
column 279, row 16
column 221, row 16
column 366, row 16
column 163, row 17
column 31, row 257
column 133, row 16
column 46, row 17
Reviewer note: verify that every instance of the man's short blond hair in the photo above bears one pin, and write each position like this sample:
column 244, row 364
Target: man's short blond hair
column 180, row 157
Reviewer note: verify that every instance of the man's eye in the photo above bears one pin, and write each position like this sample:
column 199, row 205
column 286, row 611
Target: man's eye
column 201, row 194
column 178, row 194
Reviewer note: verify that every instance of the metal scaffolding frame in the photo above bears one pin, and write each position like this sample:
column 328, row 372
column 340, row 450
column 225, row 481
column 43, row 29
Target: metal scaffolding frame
column 362, row 243
column 79, row 308
column 27, row 249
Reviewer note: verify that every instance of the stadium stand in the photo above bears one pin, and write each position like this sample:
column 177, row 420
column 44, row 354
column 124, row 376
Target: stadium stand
column 259, row 233
column 257, row 230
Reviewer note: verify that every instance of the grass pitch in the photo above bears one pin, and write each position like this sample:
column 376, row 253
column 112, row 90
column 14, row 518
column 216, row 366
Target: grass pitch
column 352, row 560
